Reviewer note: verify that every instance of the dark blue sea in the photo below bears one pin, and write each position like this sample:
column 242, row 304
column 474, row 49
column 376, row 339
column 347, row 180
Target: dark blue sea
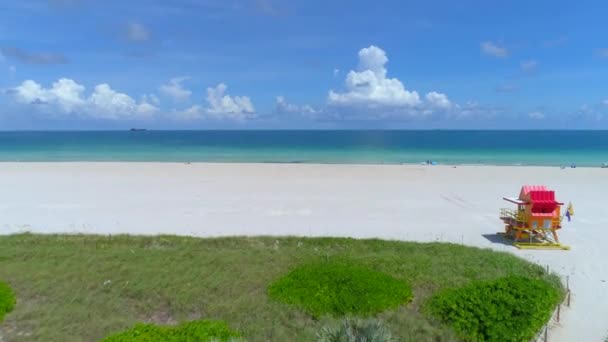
column 583, row 148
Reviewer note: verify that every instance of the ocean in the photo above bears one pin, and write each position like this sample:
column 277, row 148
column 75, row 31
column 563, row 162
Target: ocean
column 582, row 148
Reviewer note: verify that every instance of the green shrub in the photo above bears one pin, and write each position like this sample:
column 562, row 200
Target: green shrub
column 7, row 300
column 356, row 331
column 505, row 309
column 340, row 288
column 195, row 331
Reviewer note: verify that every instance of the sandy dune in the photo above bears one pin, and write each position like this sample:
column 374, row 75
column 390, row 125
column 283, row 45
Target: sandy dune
column 394, row 202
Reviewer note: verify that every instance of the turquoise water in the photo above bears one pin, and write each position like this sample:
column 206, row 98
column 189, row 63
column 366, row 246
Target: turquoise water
column 583, row 148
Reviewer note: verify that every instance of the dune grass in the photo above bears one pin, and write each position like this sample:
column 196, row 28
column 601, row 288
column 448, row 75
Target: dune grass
column 7, row 300
column 199, row 331
column 85, row 288
column 340, row 288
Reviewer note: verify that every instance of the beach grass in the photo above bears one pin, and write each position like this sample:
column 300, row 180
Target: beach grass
column 340, row 288
column 199, row 331
column 7, row 300
column 85, row 288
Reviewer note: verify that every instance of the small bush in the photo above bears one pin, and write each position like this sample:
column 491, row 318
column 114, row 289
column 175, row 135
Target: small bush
column 195, row 331
column 7, row 300
column 356, row 331
column 340, row 288
column 505, row 309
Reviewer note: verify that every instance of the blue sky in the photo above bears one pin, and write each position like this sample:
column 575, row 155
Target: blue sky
column 84, row 64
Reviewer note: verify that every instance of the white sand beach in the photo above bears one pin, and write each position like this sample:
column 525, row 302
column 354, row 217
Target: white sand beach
column 419, row 203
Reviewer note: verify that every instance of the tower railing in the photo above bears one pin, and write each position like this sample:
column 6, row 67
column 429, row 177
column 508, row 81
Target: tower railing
column 515, row 215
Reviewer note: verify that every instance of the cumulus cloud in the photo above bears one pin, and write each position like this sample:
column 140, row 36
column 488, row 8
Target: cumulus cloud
column 438, row 100
column 174, row 89
column 135, row 32
column 220, row 107
column 536, row 115
column 68, row 97
column 220, row 104
column 492, row 49
column 195, row 112
column 150, row 98
column 284, row 107
column 529, row 66
column 472, row 110
column 108, row 103
column 369, row 87
column 33, row 58
column 370, row 94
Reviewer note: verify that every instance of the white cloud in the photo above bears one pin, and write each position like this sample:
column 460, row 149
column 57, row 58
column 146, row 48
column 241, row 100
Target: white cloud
column 284, row 107
column 529, row 66
column 371, row 95
column 137, row 33
column 369, row 87
column 536, row 115
column 472, row 110
column 65, row 94
column 67, row 97
column 174, row 89
column 195, row 112
column 590, row 113
column 108, row 103
column 220, row 107
column 226, row 106
column 150, row 98
column 30, row 91
column 438, row 100
column 492, row 49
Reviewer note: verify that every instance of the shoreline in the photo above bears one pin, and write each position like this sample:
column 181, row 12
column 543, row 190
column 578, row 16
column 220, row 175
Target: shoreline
column 169, row 162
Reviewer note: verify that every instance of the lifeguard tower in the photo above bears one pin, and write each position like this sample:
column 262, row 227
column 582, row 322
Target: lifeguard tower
column 535, row 222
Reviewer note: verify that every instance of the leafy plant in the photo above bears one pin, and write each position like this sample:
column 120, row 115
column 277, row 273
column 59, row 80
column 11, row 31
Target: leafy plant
column 195, row 331
column 340, row 288
column 506, row 309
column 7, row 300
column 356, row 331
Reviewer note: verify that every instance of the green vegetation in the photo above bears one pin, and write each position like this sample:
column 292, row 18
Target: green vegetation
column 356, row 331
column 7, row 300
column 199, row 331
column 92, row 286
column 506, row 309
column 340, row 288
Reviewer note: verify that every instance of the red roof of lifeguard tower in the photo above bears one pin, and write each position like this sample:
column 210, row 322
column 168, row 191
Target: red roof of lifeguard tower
column 542, row 199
